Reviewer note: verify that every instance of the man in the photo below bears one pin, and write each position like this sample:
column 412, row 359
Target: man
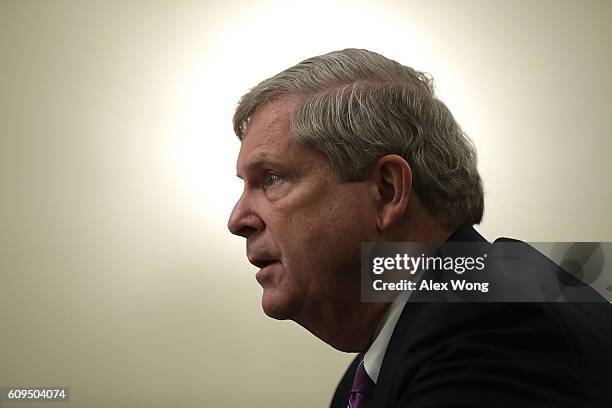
column 352, row 147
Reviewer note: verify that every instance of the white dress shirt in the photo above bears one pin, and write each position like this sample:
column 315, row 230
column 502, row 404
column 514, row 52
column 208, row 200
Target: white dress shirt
column 373, row 358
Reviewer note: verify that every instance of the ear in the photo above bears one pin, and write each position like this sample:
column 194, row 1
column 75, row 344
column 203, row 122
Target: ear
column 392, row 178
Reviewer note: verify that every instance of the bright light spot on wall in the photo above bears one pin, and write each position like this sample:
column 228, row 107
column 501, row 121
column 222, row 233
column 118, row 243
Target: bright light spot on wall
column 251, row 46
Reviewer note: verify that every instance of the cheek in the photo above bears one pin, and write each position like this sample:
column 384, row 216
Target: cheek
column 330, row 238
column 326, row 233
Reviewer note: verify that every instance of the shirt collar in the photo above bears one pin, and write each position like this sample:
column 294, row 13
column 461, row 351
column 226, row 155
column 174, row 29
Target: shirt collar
column 373, row 358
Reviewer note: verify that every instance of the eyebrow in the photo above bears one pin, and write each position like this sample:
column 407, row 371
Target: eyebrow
column 257, row 162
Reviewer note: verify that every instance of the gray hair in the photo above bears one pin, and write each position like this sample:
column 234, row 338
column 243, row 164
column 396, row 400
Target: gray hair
column 359, row 106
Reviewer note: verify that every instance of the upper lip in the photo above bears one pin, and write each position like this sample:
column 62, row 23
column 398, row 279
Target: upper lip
column 261, row 261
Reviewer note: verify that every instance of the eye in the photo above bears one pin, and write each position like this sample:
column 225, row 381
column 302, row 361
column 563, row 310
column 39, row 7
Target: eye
column 270, row 179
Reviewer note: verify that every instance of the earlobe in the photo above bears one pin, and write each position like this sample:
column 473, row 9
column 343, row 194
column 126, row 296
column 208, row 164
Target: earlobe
column 393, row 179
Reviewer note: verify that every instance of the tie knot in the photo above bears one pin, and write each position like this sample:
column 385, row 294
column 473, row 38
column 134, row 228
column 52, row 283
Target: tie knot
column 362, row 388
column 362, row 382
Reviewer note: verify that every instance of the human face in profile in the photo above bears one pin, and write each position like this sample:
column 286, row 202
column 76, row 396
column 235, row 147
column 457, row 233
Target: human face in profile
column 303, row 227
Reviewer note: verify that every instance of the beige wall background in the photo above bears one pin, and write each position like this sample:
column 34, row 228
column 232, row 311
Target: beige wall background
column 118, row 278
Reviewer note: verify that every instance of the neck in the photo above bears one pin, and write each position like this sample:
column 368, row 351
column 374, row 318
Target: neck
column 420, row 226
column 349, row 328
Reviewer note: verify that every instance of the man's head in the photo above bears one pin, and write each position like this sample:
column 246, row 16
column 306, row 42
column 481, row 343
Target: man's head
column 340, row 149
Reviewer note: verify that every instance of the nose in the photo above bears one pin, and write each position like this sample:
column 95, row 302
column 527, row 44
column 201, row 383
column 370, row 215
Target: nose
column 244, row 221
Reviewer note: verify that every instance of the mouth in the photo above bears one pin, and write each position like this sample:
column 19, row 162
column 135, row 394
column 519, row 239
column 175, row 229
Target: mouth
column 264, row 274
column 262, row 263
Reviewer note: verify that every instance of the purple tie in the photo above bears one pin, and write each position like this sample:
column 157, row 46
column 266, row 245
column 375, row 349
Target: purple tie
column 362, row 388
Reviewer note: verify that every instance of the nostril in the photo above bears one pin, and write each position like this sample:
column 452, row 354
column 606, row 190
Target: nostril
column 244, row 223
column 244, row 231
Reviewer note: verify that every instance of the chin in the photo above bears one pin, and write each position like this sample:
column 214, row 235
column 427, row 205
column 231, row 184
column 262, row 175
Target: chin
column 277, row 306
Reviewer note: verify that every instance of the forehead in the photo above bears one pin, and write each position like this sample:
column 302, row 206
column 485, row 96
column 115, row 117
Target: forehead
column 267, row 137
column 271, row 121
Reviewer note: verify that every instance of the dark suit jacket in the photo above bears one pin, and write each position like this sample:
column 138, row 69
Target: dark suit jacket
column 500, row 354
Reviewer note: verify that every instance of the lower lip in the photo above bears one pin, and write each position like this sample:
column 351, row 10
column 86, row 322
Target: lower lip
column 261, row 275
